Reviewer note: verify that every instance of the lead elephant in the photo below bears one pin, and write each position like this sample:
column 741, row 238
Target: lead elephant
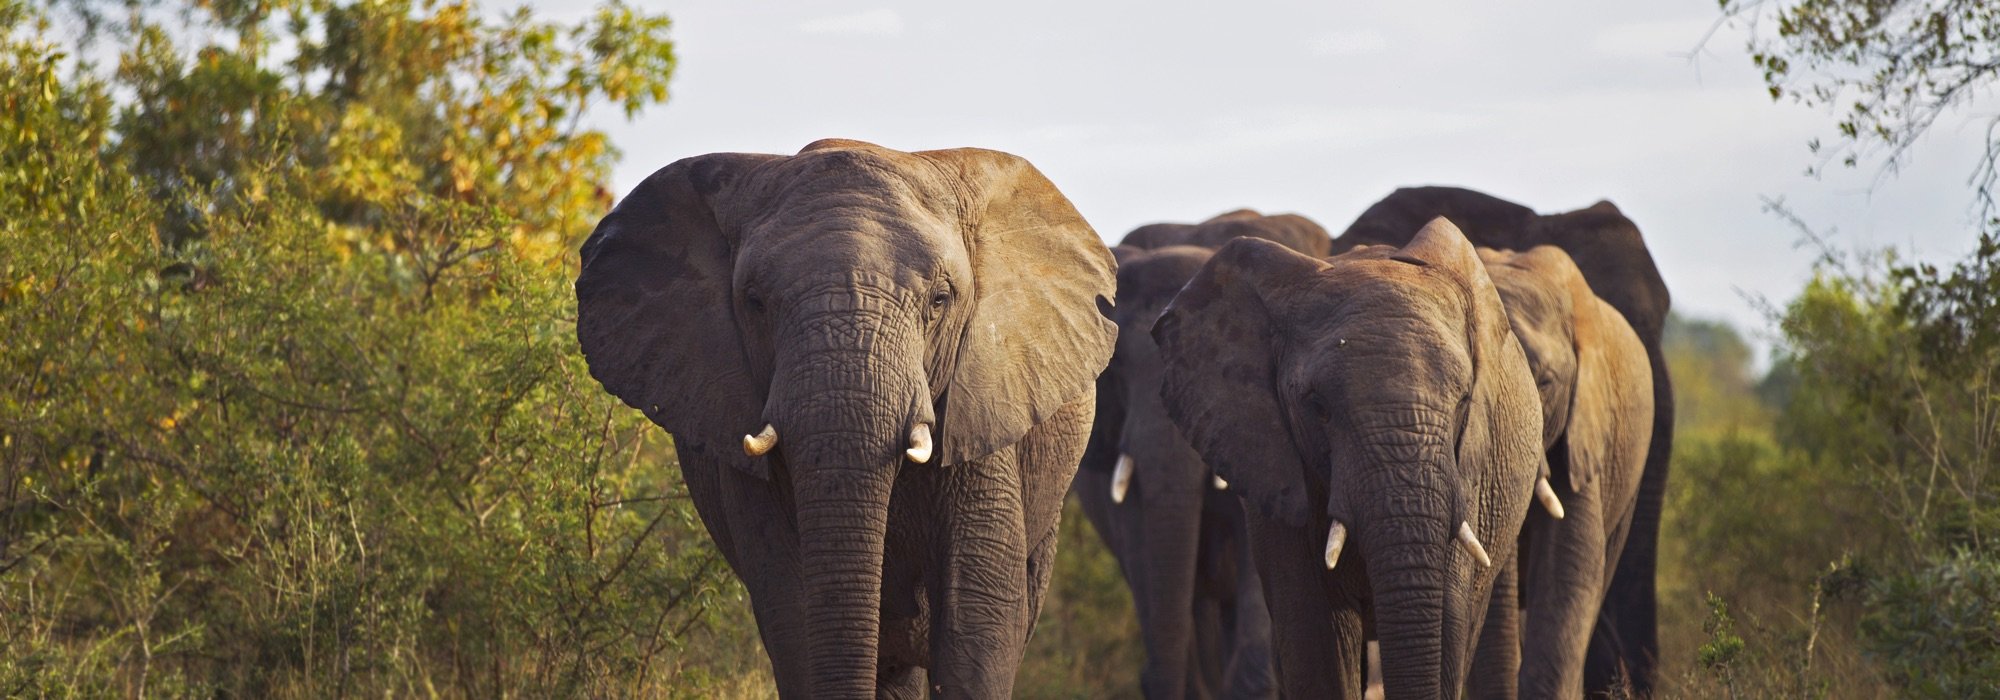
column 1597, row 418
column 878, row 370
column 1178, row 535
column 1609, row 250
column 1375, row 404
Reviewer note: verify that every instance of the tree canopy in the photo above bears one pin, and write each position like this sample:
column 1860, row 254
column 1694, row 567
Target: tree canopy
column 289, row 402
column 1888, row 68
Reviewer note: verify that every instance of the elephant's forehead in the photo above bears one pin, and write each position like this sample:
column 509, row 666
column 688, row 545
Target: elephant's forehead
column 1386, row 288
column 852, row 182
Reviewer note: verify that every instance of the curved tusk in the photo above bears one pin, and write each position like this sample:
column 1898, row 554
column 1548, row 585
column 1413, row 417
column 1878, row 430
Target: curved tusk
column 920, row 444
column 1121, row 478
column 1547, row 495
column 1472, row 545
column 1336, row 539
column 1218, row 482
column 762, row 442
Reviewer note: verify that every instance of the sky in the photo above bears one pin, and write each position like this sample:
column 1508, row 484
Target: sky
column 1175, row 111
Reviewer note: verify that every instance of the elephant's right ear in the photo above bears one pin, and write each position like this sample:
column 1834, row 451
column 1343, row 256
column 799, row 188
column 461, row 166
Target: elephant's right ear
column 655, row 313
column 1220, row 384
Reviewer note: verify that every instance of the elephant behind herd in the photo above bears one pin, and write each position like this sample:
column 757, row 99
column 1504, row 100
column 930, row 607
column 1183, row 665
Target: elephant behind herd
column 882, row 370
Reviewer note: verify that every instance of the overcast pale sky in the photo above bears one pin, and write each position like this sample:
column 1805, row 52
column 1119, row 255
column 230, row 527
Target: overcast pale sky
column 1175, row 111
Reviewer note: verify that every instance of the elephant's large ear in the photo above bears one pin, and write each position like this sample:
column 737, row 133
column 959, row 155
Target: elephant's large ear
column 1611, row 410
column 1038, row 332
column 1220, row 384
column 654, row 309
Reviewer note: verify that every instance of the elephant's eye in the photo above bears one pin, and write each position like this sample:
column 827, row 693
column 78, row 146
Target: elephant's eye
column 939, row 299
column 1318, row 406
column 755, row 302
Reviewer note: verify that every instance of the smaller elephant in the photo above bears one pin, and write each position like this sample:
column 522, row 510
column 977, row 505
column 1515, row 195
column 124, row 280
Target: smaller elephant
column 1596, row 387
column 1375, row 404
column 1611, row 252
column 1178, row 534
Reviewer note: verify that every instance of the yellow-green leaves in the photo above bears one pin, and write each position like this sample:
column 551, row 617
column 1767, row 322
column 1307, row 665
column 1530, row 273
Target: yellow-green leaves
column 290, row 403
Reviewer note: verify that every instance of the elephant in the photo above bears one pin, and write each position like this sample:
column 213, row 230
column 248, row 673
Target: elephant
column 1612, row 255
column 1374, row 402
column 1596, row 389
column 878, row 370
column 1178, row 535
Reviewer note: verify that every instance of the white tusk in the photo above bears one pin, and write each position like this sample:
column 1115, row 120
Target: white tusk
column 1218, row 482
column 1547, row 495
column 920, row 444
column 1472, row 545
column 1336, row 538
column 1121, row 478
column 762, row 442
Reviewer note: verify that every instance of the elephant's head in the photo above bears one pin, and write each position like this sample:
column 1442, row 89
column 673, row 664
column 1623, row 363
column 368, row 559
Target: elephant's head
column 1154, row 262
column 1589, row 365
column 1378, row 396
column 844, row 314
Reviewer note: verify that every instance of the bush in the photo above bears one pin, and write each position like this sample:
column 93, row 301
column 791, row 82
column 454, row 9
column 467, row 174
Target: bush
column 1877, row 457
column 290, row 404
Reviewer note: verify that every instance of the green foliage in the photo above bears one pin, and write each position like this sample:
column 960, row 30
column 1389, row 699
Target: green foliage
column 1086, row 642
column 1724, row 649
column 1879, row 455
column 1747, row 524
column 1900, row 387
column 1888, row 68
column 1936, row 629
column 290, row 404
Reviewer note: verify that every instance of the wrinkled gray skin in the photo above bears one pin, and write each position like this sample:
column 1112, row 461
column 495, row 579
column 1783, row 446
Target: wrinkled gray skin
column 844, row 296
column 1381, row 389
column 1179, row 540
column 1608, row 248
column 1597, row 417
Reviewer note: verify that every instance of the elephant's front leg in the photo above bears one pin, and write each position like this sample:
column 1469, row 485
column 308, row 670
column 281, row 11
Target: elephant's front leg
column 980, row 590
column 1319, row 647
column 1565, row 581
column 757, row 533
column 1250, row 673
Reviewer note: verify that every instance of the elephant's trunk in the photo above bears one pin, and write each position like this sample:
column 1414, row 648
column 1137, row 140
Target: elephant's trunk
column 1406, row 573
column 1171, row 483
column 1171, row 541
column 1409, row 535
column 844, row 409
column 843, row 513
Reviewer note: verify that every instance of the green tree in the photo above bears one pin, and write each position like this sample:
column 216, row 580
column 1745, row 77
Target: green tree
column 289, row 402
column 1898, row 388
column 1889, row 68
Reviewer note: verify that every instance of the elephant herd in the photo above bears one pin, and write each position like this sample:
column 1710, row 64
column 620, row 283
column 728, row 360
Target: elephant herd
column 1442, row 433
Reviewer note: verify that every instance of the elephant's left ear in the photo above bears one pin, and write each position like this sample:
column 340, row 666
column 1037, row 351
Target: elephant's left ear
column 1611, row 411
column 1038, row 332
